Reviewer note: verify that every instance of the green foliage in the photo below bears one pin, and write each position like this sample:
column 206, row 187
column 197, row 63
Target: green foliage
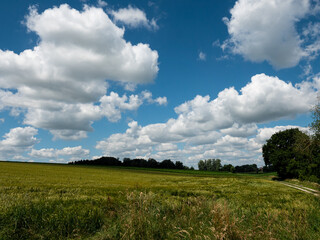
column 247, row 168
column 315, row 125
column 210, row 165
column 282, row 151
column 293, row 154
column 228, row 168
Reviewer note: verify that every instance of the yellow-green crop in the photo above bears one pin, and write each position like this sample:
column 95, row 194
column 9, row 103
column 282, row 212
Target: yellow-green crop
column 45, row 201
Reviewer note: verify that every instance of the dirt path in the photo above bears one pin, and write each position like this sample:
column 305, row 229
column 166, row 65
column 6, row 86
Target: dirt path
column 302, row 188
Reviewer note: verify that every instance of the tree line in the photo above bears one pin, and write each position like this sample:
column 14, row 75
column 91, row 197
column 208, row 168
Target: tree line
column 137, row 162
column 216, row 166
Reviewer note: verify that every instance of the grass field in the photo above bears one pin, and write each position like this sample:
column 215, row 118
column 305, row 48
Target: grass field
column 46, row 201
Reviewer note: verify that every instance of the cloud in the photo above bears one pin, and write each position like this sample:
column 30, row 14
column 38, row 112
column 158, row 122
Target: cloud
column 17, row 141
column 161, row 100
column 238, row 130
column 1, row 120
column 102, row 4
column 73, row 121
column 94, row 47
column 264, row 99
column 58, row 155
column 202, row 56
column 60, row 84
column 67, row 134
column 134, row 18
column 225, row 127
column 147, row 95
column 165, row 147
column 265, row 133
column 113, row 105
column 216, row 43
column 130, row 144
column 266, row 31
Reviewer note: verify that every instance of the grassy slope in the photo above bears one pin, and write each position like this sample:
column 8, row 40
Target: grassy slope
column 44, row 201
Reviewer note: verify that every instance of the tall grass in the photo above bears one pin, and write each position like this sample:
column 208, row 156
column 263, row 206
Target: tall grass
column 149, row 217
column 56, row 219
column 41, row 201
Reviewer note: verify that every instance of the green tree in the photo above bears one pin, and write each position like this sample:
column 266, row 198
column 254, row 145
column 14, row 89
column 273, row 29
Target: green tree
column 202, row 166
column 209, row 165
column 313, row 148
column 315, row 125
column 216, row 165
column 228, row 168
column 283, row 152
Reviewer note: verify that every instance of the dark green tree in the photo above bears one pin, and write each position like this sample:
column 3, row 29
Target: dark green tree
column 202, row 165
column 283, row 152
column 228, row 168
column 179, row 165
column 210, row 165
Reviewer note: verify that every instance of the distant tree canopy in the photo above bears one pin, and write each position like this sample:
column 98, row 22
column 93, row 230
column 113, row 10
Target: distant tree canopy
column 228, row 168
column 209, row 165
column 247, row 168
column 127, row 162
column 215, row 166
column 103, row 161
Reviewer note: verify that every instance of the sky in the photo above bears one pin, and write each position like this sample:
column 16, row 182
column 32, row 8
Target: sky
column 180, row 80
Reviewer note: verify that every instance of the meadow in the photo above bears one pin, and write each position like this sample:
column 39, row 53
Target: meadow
column 51, row 201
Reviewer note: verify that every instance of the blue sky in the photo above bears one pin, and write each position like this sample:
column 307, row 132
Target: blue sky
column 180, row 80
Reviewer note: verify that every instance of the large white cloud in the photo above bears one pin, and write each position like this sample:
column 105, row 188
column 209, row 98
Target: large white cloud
column 225, row 127
column 263, row 99
column 60, row 84
column 265, row 30
column 16, row 142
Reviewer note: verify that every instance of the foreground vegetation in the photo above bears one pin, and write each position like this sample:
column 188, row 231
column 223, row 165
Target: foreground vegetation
column 44, row 201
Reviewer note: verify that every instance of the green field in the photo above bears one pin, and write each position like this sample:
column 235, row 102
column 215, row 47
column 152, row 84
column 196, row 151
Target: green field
column 46, row 201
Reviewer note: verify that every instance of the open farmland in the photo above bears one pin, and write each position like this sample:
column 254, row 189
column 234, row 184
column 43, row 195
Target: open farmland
column 45, row 201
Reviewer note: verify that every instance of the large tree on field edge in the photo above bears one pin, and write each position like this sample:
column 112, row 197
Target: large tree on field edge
column 284, row 152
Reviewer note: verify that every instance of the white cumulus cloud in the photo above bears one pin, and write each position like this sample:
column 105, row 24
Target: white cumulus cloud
column 60, row 84
column 266, row 30
column 16, row 142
